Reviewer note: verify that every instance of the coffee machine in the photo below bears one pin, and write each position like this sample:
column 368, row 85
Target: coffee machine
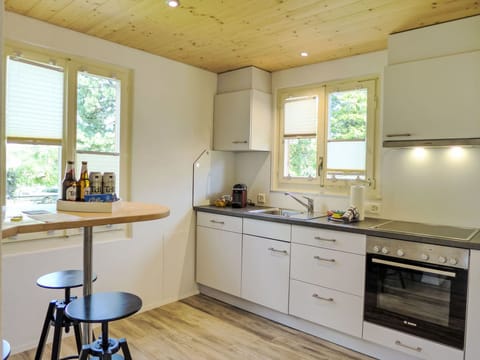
column 239, row 196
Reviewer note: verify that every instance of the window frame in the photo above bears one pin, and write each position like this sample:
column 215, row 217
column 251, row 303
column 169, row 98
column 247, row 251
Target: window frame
column 71, row 65
column 321, row 184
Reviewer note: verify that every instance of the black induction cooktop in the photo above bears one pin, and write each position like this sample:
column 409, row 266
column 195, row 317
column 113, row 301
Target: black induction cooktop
column 429, row 230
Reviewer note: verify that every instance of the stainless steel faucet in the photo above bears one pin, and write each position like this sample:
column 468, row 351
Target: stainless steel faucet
column 308, row 204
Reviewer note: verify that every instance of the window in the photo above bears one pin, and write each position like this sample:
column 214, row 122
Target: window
column 326, row 137
column 58, row 109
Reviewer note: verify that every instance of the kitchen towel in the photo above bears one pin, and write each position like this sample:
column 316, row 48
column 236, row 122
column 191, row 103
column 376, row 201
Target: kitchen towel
column 357, row 199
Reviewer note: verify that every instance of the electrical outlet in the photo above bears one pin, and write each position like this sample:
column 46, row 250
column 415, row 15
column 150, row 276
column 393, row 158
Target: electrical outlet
column 373, row 208
column 261, row 199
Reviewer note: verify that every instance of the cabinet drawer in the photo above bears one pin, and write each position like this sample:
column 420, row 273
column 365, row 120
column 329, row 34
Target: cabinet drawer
column 412, row 345
column 330, row 308
column 216, row 221
column 267, row 229
column 329, row 268
column 330, row 239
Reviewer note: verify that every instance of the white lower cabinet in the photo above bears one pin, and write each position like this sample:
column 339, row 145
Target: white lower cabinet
column 265, row 272
column 327, row 307
column 328, row 278
column 219, row 259
column 411, row 345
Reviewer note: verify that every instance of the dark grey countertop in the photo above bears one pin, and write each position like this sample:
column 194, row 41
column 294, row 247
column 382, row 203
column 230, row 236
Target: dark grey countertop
column 363, row 227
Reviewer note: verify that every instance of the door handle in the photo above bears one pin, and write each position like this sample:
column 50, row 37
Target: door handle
column 278, row 251
column 217, row 222
column 324, row 239
column 316, row 296
column 323, row 259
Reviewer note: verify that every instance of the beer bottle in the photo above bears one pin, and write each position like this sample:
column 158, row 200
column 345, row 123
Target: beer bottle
column 83, row 184
column 69, row 188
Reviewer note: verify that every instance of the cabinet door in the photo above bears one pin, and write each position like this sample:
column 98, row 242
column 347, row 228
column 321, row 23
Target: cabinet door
column 433, row 99
column 219, row 259
column 265, row 272
column 242, row 121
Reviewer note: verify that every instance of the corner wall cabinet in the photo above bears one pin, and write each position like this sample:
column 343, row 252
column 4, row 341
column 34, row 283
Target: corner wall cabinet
column 431, row 99
column 242, row 121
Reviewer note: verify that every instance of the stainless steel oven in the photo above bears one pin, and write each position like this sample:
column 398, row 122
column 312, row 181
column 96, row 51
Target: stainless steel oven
column 417, row 288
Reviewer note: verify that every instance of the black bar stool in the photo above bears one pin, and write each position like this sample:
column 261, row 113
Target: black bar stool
column 102, row 308
column 5, row 350
column 55, row 316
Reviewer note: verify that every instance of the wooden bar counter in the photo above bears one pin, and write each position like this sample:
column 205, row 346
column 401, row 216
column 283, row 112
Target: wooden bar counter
column 124, row 212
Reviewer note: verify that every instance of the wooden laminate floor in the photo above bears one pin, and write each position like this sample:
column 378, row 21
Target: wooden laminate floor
column 202, row 328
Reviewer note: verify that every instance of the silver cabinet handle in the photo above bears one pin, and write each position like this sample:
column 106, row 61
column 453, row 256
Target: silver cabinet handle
column 278, row 251
column 316, row 296
column 324, row 239
column 417, row 349
column 323, row 259
column 398, row 135
column 239, row 142
column 217, row 222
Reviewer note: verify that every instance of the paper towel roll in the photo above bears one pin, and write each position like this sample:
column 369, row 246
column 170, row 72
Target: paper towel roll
column 357, row 199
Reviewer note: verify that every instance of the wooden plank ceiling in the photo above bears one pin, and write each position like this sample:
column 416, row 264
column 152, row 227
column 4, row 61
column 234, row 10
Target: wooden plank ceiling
column 222, row 35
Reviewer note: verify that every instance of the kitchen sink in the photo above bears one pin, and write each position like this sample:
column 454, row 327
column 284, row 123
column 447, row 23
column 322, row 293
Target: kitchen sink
column 287, row 213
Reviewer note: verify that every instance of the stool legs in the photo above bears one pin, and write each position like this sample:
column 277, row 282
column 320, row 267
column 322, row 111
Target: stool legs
column 78, row 336
column 125, row 349
column 56, row 316
column 57, row 334
column 45, row 328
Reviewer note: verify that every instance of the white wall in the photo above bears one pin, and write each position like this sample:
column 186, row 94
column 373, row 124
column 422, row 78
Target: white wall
column 437, row 187
column 171, row 126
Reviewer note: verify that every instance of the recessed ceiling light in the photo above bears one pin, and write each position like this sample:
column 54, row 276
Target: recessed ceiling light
column 173, row 3
column 304, row 54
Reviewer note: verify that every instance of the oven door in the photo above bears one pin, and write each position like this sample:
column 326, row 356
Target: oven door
column 417, row 298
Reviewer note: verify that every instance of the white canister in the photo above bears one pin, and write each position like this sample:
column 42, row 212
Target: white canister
column 108, row 182
column 95, row 182
column 357, row 199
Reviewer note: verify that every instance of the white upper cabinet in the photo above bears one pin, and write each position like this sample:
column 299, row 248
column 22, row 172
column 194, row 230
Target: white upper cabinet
column 432, row 85
column 242, row 118
column 242, row 121
column 433, row 99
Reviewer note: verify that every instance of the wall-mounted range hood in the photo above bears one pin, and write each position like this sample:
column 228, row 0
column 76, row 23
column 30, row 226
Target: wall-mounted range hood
column 432, row 142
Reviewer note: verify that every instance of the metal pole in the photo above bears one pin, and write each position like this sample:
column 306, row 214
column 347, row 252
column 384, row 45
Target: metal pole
column 87, row 274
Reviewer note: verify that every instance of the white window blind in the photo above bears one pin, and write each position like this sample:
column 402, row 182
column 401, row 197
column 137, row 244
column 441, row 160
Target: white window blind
column 34, row 100
column 301, row 116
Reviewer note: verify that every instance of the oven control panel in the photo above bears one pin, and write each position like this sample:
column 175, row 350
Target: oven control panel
column 411, row 250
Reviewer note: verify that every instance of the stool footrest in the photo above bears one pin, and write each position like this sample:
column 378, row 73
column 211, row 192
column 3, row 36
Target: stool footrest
column 97, row 352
